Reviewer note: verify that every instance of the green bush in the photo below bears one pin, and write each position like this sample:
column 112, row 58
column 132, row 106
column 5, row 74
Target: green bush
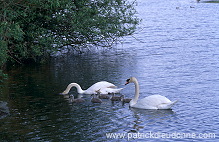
column 33, row 29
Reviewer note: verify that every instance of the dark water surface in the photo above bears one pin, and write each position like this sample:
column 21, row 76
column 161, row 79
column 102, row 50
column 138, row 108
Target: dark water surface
column 174, row 53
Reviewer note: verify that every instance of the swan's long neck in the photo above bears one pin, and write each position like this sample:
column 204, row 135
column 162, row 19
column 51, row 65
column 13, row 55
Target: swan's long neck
column 80, row 91
column 135, row 99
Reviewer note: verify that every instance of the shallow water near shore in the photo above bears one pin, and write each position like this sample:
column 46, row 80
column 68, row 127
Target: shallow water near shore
column 173, row 53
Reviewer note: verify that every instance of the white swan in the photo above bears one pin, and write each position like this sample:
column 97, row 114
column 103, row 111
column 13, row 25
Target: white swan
column 150, row 102
column 103, row 87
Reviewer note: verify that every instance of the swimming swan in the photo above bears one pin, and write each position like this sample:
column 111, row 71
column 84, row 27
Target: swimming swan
column 150, row 102
column 103, row 87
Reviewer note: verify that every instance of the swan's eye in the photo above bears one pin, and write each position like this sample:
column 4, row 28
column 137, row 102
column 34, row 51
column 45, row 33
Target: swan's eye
column 127, row 80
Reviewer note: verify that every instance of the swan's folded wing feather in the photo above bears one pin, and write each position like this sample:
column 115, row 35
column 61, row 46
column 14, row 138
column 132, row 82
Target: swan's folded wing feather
column 112, row 90
column 100, row 86
column 112, row 87
column 143, row 105
column 166, row 105
column 153, row 101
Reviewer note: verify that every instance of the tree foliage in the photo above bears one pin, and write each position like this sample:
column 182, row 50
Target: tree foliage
column 30, row 29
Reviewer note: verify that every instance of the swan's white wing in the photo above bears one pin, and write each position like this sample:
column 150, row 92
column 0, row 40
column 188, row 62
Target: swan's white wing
column 152, row 102
column 99, row 86
column 143, row 105
column 166, row 105
column 110, row 90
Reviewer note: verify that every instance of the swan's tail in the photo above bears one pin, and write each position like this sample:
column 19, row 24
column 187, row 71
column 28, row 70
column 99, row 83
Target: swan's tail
column 167, row 105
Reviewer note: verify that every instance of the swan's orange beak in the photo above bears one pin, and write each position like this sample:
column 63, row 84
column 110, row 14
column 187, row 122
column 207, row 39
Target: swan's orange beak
column 126, row 83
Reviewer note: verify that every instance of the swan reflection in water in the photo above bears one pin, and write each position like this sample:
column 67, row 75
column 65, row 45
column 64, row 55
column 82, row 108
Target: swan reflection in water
column 149, row 117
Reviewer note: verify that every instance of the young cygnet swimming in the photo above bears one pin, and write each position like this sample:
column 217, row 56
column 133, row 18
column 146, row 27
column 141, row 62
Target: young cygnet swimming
column 125, row 100
column 115, row 98
column 95, row 99
column 102, row 96
column 77, row 100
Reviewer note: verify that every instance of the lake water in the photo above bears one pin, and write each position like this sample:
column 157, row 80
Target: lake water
column 174, row 53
